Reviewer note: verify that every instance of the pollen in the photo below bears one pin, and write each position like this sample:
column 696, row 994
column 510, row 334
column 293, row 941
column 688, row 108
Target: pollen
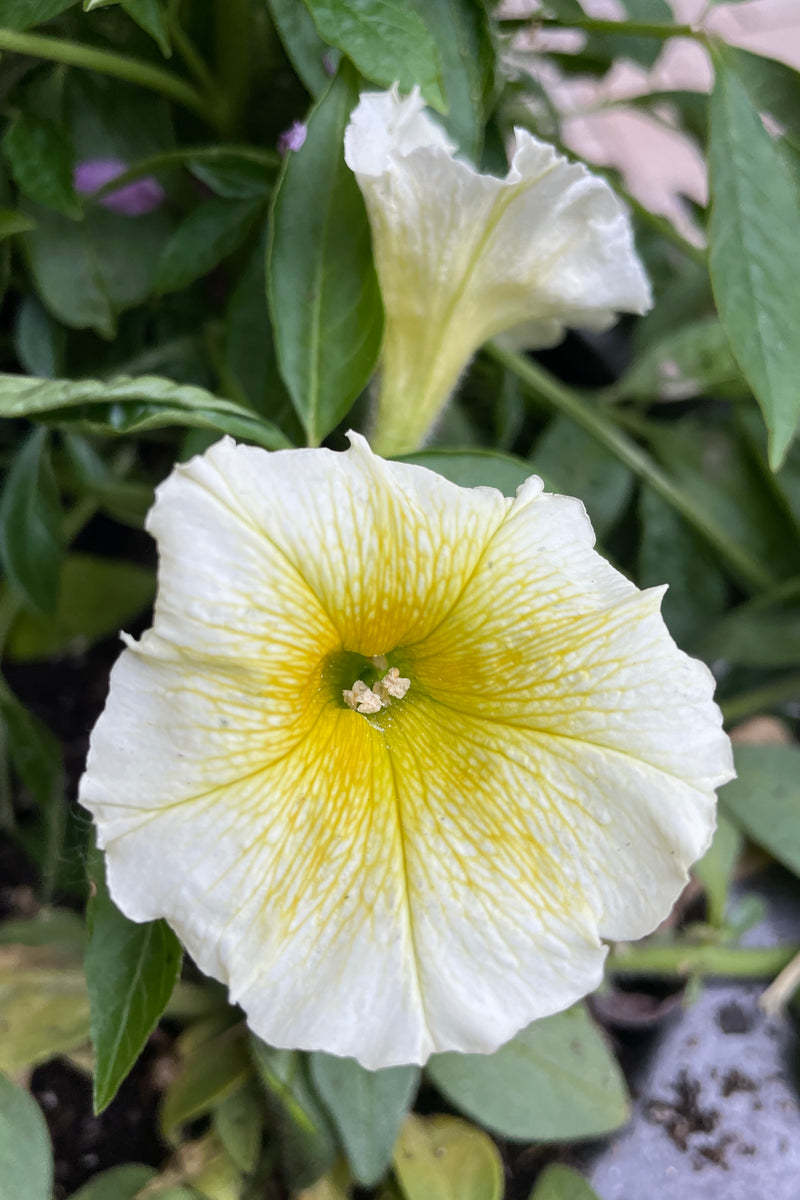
column 371, row 700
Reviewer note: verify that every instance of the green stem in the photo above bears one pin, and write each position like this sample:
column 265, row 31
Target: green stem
column 653, row 29
column 107, row 62
column 177, row 158
column 599, row 425
column 678, row 961
column 760, row 699
column 193, row 59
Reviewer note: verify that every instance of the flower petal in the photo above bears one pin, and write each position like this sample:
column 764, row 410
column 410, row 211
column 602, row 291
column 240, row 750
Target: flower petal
column 461, row 256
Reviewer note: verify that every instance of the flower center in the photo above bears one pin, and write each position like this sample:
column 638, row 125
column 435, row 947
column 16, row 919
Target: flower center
column 368, row 700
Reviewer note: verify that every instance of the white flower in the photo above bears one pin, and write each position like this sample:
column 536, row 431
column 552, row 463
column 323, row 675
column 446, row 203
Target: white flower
column 462, row 257
column 434, row 868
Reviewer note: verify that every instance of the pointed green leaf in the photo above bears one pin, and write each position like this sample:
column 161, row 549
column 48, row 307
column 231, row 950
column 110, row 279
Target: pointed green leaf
column 388, row 43
column 31, row 537
column 754, row 255
column 323, row 290
column 555, row 1080
column 131, row 971
column 367, row 1108
column 126, row 405
column 26, row 1160
column 150, row 16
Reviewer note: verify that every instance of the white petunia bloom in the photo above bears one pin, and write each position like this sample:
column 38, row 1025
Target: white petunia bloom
column 462, row 257
column 396, row 754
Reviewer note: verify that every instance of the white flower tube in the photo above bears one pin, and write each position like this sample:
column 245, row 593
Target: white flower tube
column 462, row 257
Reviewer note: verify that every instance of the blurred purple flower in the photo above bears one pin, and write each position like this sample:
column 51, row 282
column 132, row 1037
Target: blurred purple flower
column 133, row 200
column 292, row 138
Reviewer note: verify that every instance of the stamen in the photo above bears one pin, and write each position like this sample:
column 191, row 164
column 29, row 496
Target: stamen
column 391, row 687
column 371, row 700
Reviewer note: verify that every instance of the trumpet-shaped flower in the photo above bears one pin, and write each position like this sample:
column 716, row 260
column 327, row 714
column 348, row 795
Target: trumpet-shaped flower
column 462, row 257
column 396, row 754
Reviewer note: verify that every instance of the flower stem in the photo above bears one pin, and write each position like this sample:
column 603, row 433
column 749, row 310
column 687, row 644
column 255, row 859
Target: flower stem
column 598, row 423
column 107, row 62
column 675, row 960
column 770, row 695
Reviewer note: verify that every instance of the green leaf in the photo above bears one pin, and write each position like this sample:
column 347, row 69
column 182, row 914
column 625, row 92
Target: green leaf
column 462, row 34
column 694, row 360
column 97, row 597
column 88, row 272
column 388, row 43
column 238, row 1122
column 756, row 637
column 24, row 14
column 573, row 463
column 562, row 1183
column 367, row 1108
column 765, row 799
column 715, row 869
column 669, row 552
column 41, row 157
column 555, row 1081
column 716, row 468
column 475, row 468
column 754, row 255
column 120, row 1183
column 444, row 1158
column 125, row 500
column 235, row 179
column 773, row 87
column 304, row 48
column 125, row 405
column 38, row 340
column 131, row 971
column 206, row 237
column 250, row 346
column 26, row 1160
column 150, row 16
column 36, row 756
column 44, row 1005
column 31, row 536
column 305, row 1139
column 323, row 290
column 12, row 222
column 210, row 1072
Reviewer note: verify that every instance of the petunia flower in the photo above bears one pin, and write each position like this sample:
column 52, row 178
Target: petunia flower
column 396, row 755
column 462, row 257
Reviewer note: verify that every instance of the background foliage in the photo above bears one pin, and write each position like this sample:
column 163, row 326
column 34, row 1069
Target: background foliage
column 131, row 341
